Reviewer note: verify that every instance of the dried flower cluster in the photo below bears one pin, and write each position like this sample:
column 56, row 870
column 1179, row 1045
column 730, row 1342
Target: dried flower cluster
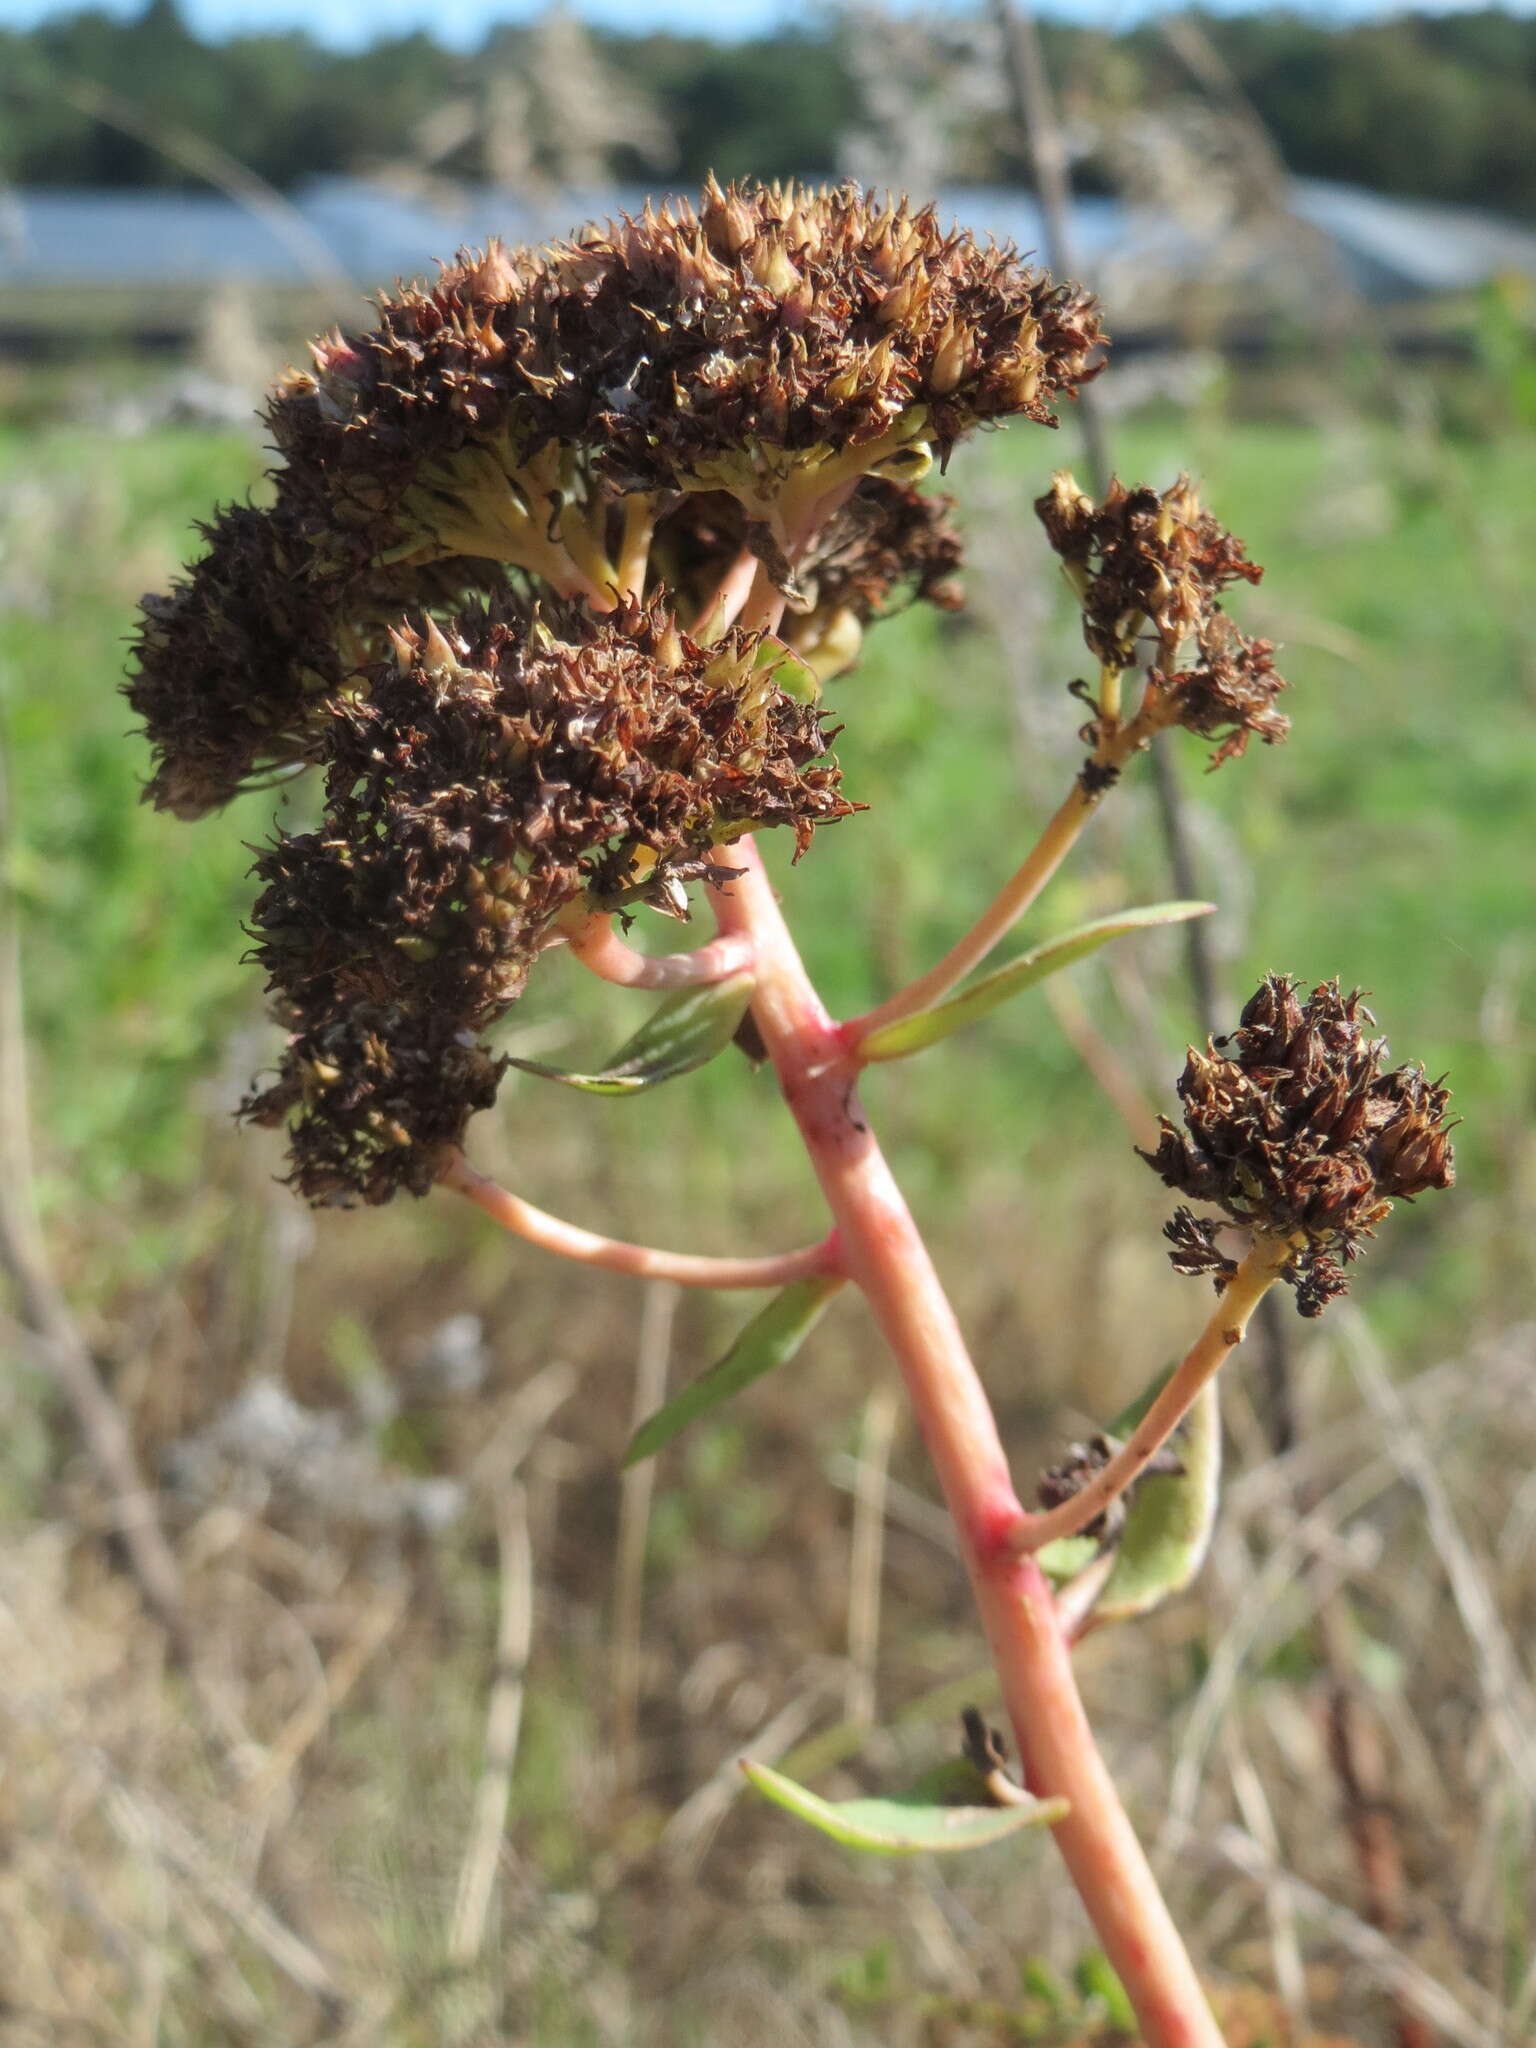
column 499, row 515
column 782, row 346
column 483, row 784
column 234, row 666
column 1145, row 563
column 1296, row 1130
column 772, row 329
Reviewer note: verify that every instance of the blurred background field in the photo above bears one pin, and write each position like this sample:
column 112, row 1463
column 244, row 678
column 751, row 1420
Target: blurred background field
column 361, row 1428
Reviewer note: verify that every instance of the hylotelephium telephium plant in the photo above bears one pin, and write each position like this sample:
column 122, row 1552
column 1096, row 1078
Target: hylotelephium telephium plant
column 562, row 554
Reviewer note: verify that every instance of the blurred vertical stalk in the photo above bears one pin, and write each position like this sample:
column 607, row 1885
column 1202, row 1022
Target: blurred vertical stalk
column 1035, row 111
column 1353, row 1746
column 40, row 1305
column 652, row 1357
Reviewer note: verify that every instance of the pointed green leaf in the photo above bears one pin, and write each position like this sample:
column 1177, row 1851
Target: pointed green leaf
column 912, row 1034
column 771, row 1339
column 943, row 1814
column 684, row 1032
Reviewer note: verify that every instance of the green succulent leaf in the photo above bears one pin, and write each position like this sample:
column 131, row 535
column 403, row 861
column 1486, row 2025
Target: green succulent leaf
column 771, row 1339
column 1169, row 1521
column 912, row 1034
column 1168, row 1525
column 686, row 1031
column 945, row 1813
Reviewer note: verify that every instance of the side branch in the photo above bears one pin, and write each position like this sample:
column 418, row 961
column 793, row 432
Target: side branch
column 602, row 952
column 1015, row 897
column 643, row 1262
column 887, row 1259
column 1216, row 1343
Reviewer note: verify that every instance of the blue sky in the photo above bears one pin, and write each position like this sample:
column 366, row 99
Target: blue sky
column 350, row 22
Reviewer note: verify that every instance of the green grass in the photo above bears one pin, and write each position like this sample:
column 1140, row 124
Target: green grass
column 1388, row 842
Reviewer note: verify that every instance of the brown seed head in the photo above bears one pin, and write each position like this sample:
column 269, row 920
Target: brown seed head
column 374, row 1098
column 232, row 668
column 497, row 771
column 760, row 335
column 1154, row 565
column 779, row 321
column 1296, row 1130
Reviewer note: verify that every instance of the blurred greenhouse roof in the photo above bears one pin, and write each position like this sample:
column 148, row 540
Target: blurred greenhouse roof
column 342, row 237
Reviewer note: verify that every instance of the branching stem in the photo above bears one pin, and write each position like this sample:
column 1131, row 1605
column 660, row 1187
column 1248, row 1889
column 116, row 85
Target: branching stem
column 602, row 952
column 614, row 1255
column 884, row 1255
column 1015, row 897
column 729, row 595
column 1215, row 1344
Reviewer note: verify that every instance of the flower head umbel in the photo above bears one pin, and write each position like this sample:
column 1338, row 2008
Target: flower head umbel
column 561, row 549
column 780, row 333
column 1296, row 1129
column 1152, row 566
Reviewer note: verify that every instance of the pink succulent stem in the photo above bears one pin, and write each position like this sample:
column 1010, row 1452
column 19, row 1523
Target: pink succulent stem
column 642, row 1261
column 600, row 949
column 882, row 1252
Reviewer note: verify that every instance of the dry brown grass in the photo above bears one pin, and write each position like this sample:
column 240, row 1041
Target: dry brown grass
column 273, row 1854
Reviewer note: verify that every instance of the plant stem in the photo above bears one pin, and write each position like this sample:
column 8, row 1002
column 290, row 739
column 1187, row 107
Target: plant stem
column 642, row 1261
column 635, row 547
column 725, row 601
column 600, row 949
column 884, row 1254
column 1215, row 1344
column 1015, row 897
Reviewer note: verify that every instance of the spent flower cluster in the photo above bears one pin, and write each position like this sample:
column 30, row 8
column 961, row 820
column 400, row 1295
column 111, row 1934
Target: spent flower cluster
column 487, row 782
column 1297, row 1130
column 1149, row 565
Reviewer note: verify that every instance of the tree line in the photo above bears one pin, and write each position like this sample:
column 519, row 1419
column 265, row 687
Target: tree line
column 1436, row 107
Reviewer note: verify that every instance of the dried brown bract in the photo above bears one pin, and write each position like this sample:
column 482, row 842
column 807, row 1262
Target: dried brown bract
column 1296, row 1129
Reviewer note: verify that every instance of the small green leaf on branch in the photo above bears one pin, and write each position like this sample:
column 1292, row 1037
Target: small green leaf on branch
column 913, row 1034
column 946, row 1812
column 1168, row 1524
column 685, row 1031
column 771, row 1339
column 1169, row 1516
